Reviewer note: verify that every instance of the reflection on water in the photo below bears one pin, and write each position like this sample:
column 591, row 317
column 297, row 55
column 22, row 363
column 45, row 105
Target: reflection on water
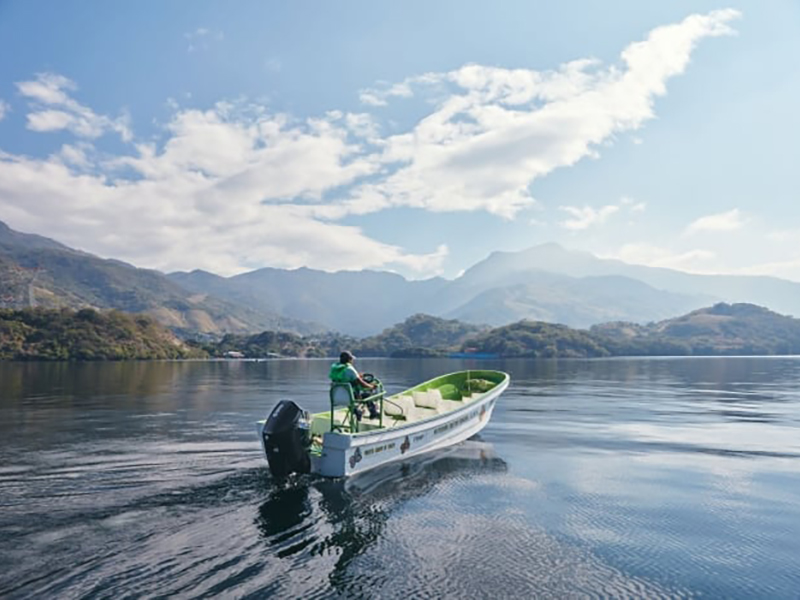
column 599, row 478
column 353, row 513
column 364, row 503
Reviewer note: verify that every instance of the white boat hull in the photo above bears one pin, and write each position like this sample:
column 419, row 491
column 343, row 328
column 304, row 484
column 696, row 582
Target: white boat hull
column 344, row 454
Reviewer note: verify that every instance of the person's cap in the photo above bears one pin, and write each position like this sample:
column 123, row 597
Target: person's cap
column 346, row 356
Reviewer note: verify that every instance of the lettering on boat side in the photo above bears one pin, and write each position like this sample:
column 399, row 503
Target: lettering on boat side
column 405, row 445
column 355, row 458
column 376, row 449
column 459, row 421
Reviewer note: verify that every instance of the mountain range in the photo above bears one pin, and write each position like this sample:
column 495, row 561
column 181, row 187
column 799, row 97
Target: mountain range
column 543, row 283
column 37, row 271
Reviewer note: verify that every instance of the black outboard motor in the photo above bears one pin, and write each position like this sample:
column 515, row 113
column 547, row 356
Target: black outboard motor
column 287, row 439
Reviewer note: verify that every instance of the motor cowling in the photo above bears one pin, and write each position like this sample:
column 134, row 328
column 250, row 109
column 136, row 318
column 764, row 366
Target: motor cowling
column 287, row 439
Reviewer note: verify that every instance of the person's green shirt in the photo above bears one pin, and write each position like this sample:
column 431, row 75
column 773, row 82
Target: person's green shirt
column 343, row 373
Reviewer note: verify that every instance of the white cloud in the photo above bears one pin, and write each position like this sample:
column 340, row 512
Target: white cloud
column 75, row 155
column 695, row 260
column 494, row 131
column 361, row 125
column 727, row 221
column 781, row 236
column 632, row 204
column 4, row 109
column 586, row 216
column 236, row 187
column 52, row 120
column 786, row 269
column 47, row 88
column 583, row 217
column 224, row 193
column 380, row 96
column 55, row 110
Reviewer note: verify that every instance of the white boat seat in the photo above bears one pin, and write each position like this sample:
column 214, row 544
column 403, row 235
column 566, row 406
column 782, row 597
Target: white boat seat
column 398, row 406
column 428, row 399
column 341, row 394
column 446, row 406
column 418, row 413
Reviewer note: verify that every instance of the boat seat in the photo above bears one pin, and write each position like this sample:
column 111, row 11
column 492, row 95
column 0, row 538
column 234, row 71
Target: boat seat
column 427, row 399
column 446, row 406
column 418, row 413
column 341, row 394
column 398, row 407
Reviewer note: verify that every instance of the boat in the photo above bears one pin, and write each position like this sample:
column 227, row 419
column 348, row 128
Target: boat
column 341, row 442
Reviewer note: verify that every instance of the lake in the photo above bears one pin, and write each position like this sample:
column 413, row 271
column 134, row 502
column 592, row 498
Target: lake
column 657, row 478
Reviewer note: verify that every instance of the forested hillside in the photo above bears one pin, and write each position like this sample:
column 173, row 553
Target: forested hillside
column 535, row 339
column 418, row 335
column 39, row 272
column 65, row 334
column 722, row 329
column 719, row 330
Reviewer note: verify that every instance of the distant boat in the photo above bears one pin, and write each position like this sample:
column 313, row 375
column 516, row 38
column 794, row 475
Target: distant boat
column 336, row 443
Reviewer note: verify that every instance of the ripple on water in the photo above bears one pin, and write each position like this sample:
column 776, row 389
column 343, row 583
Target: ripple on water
column 602, row 479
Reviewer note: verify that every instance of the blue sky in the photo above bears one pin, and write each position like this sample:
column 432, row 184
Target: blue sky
column 416, row 137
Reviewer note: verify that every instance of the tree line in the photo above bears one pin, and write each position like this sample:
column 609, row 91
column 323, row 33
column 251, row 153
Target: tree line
column 88, row 334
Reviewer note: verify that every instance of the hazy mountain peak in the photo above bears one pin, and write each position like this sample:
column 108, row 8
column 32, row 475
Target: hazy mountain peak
column 29, row 241
column 549, row 256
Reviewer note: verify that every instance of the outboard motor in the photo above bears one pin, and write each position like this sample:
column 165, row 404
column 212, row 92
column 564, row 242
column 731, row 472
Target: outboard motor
column 287, row 439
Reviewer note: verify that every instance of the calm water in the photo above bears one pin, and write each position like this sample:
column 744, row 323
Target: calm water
column 607, row 478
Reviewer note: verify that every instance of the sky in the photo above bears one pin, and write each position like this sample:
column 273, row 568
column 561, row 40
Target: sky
column 414, row 137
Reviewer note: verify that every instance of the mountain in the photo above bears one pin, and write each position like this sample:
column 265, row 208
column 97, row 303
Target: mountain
column 777, row 294
column 543, row 283
column 356, row 302
column 366, row 302
column 578, row 302
column 546, row 283
column 721, row 329
column 28, row 241
column 534, row 339
column 37, row 271
column 436, row 336
column 42, row 334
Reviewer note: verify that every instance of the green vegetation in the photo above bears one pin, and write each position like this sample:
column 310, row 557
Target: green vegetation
column 723, row 329
column 86, row 334
column 418, row 335
column 535, row 339
column 265, row 345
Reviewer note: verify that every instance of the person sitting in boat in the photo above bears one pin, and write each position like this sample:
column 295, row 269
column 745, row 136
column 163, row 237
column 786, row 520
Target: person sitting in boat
column 344, row 372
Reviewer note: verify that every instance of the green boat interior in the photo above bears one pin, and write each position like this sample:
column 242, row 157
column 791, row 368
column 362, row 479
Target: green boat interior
column 424, row 401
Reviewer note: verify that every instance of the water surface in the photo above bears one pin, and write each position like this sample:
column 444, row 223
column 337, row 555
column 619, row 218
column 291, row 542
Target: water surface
column 649, row 478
